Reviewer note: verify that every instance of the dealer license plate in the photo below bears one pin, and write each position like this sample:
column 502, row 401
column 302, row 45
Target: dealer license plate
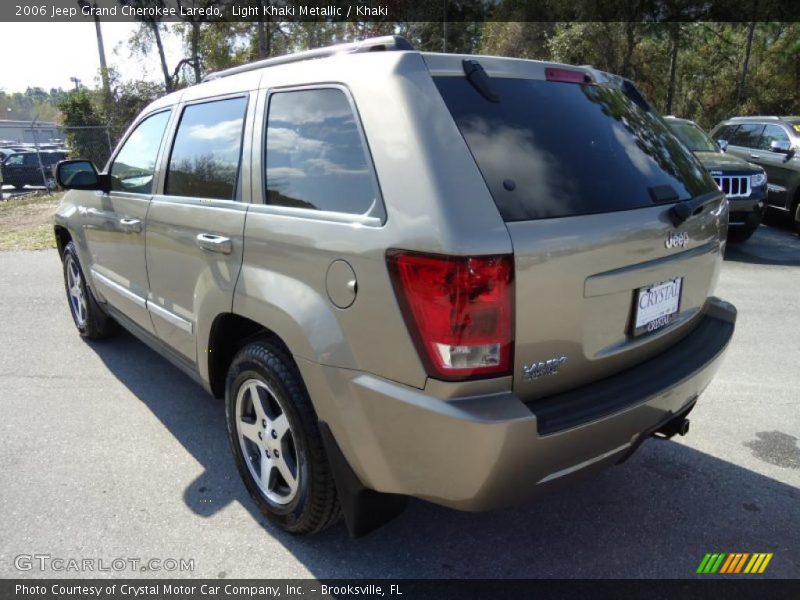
column 656, row 306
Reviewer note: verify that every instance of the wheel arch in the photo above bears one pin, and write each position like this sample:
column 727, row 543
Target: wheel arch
column 229, row 333
column 63, row 237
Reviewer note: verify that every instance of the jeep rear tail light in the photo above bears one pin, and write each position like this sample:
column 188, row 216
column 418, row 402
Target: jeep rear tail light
column 459, row 311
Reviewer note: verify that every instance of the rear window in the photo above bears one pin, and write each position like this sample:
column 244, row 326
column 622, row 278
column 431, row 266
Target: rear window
column 551, row 149
column 694, row 138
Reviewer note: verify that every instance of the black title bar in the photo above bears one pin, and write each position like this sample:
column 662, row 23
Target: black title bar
column 400, row 11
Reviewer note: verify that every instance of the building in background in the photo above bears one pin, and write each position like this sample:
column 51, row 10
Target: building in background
column 23, row 132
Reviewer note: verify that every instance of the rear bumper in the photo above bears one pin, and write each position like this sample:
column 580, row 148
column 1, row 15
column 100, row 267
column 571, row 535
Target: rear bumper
column 494, row 450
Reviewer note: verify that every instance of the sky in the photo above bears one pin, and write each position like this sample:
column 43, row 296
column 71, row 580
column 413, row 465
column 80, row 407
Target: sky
column 48, row 54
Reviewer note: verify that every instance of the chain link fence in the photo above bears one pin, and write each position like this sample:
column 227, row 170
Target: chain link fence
column 92, row 142
column 28, row 167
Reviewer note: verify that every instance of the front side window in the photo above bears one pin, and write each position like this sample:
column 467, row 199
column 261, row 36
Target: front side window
column 724, row 132
column 14, row 160
column 315, row 155
column 772, row 133
column 205, row 157
column 747, row 135
column 135, row 164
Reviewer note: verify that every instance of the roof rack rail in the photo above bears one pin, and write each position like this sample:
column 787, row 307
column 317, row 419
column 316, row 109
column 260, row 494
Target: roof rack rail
column 755, row 117
column 376, row 44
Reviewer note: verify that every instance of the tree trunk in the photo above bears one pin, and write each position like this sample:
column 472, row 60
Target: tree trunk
column 195, row 50
column 740, row 92
column 630, row 44
column 261, row 30
column 162, row 56
column 675, row 36
column 103, row 65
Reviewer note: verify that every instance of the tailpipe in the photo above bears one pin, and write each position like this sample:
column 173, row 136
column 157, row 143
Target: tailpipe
column 677, row 426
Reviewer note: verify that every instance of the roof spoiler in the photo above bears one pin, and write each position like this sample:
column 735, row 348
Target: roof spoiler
column 376, row 44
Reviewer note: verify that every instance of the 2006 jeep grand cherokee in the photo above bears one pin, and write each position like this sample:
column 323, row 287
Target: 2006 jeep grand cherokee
column 463, row 279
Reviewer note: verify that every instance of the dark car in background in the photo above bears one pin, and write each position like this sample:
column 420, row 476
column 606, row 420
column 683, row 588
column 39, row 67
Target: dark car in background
column 23, row 168
column 744, row 183
column 771, row 142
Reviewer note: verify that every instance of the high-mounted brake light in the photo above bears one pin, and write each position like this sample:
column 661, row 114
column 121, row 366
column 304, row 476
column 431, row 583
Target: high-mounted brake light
column 567, row 75
column 459, row 311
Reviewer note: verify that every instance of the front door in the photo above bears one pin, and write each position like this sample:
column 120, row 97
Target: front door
column 195, row 227
column 115, row 222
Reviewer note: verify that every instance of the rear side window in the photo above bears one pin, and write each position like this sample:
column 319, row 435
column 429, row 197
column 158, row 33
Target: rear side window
column 316, row 157
column 135, row 164
column 772, row 133
column 747, row 135
column 206, row 153
column 31, row 160
column 551, row 149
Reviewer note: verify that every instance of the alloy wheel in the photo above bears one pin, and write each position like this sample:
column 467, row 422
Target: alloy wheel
column 77, row 298
column 266, row 440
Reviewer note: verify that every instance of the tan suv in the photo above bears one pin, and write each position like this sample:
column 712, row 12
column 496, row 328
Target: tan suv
column 464, row 279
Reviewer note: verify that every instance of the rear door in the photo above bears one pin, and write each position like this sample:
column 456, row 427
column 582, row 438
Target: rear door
column 195, row 226
column 584, row 176
column 779, row 167
column 745, row 140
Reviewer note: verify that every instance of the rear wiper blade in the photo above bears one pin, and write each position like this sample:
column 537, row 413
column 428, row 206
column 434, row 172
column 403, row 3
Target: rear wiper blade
column 682, row 211
column 479, row 79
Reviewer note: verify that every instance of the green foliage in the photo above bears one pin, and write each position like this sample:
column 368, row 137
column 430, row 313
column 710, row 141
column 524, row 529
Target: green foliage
column 706, row 81
column 710, row 61
column 33, row 103
column 79, row 108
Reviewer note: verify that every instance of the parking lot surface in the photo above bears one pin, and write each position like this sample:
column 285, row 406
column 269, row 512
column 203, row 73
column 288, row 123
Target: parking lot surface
column 107, row 451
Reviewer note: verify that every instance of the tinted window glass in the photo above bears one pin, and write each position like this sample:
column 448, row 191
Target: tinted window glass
column 694, row 138
column 315, row 155
column 550, row 149
column 14, row 159
column 31, row 160
column 747, row 135
column 206, row 153
column 724, row 133
column 135, row 164
column 772, row 133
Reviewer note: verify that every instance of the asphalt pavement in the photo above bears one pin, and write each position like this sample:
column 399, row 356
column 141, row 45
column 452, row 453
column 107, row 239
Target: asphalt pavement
column 108, row 452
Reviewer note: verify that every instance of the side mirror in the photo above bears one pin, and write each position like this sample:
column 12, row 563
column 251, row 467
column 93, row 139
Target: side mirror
column 780, row 146
column 723, row 145
column 79, row 175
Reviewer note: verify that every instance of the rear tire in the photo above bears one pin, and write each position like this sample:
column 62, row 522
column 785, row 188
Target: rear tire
column 90, row 319
column 276, row 442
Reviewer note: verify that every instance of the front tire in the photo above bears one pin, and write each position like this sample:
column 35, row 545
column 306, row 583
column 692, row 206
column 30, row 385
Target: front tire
column 276, row 443
column 90, row 319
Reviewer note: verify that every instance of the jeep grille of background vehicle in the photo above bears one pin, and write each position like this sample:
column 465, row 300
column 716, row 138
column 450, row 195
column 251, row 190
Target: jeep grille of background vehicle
column 733, row 185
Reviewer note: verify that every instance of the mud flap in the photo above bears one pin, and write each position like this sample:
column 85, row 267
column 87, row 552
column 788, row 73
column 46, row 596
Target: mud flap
column 364, row 509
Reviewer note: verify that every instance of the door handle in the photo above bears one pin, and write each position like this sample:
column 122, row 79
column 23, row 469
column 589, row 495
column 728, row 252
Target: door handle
column 130, row 225
column 755, row 156
column 214, row 243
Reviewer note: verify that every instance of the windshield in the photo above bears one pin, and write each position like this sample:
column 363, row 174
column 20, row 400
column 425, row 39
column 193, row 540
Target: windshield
column 551, row 149
column 693, row 137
